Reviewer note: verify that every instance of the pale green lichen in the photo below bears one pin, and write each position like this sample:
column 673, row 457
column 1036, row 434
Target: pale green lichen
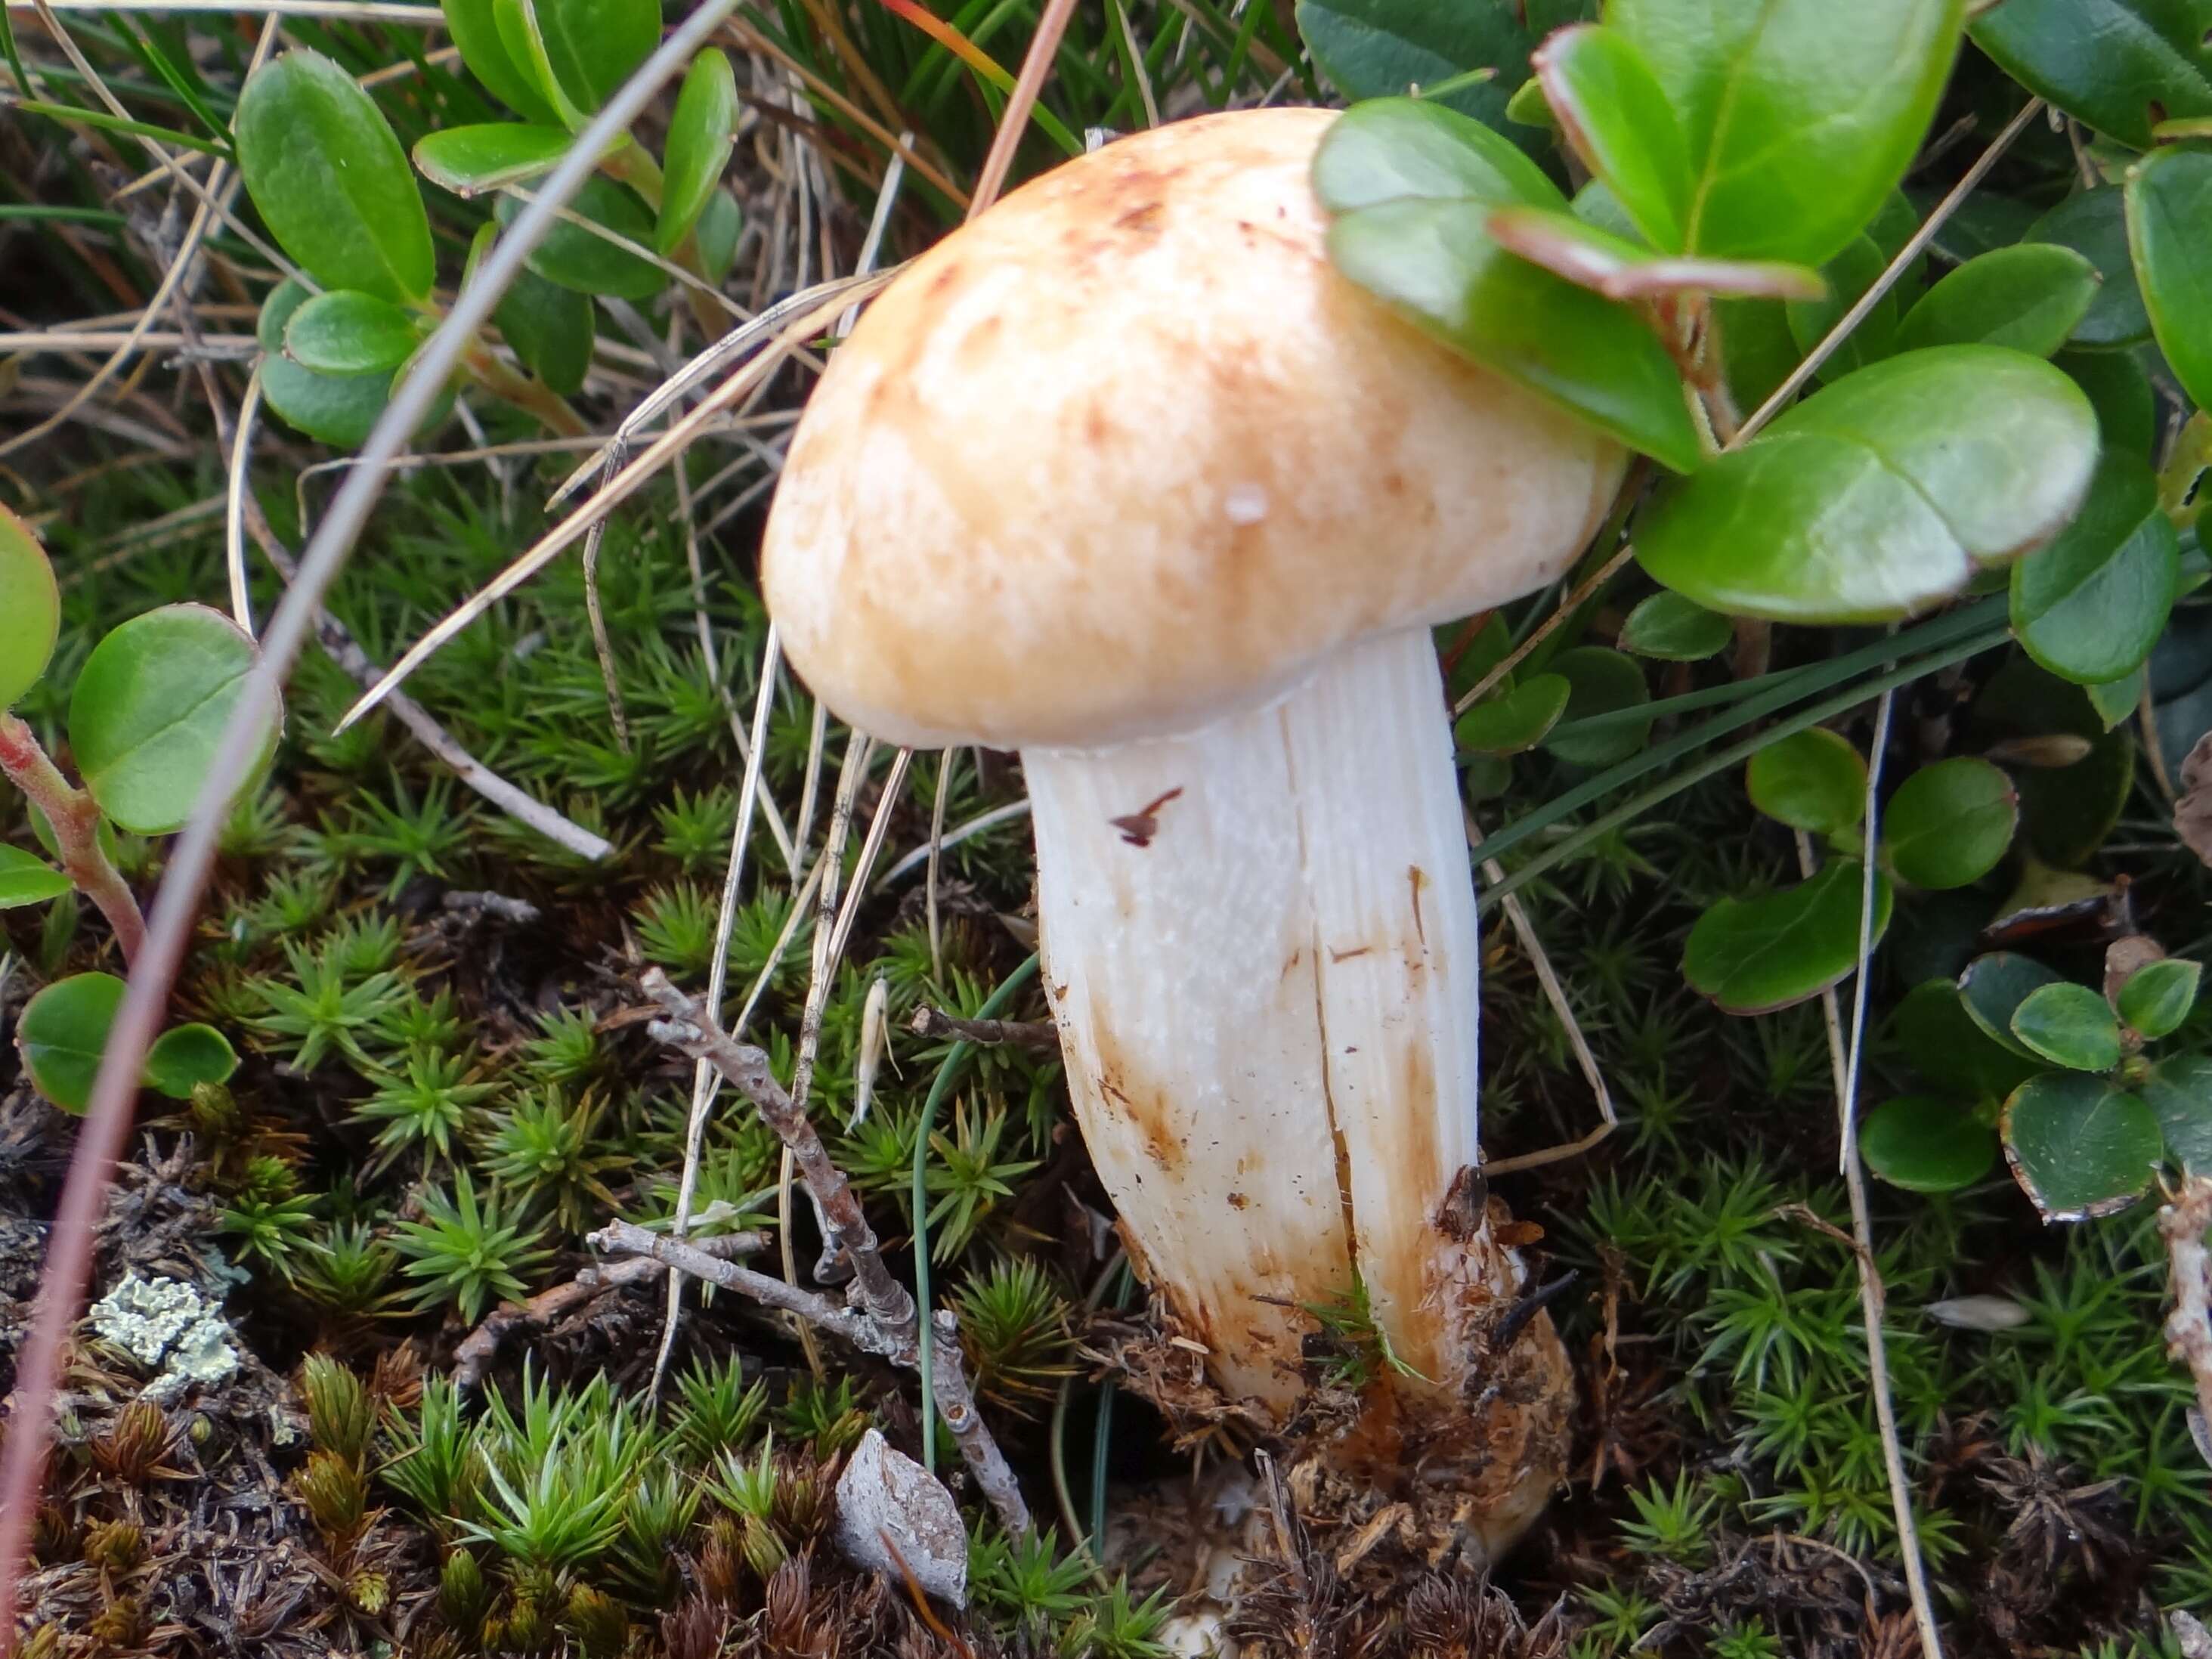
column 170, row 1328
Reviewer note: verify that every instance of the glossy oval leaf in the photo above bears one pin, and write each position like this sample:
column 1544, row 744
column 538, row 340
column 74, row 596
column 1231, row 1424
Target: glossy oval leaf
column 1949, row 1050
column 1515, row 719
column 1672, row 628
column 1386, row 48
column 2093, row 223
column 1602, row 682
column 2079, row 1147
column 1882, row 494
column 1801, row 115
column 701, row 134
column 524, row 41
column 1394, row 150
column 1994, row 986
column 1751, row 956
column 597, row 45
column 2090, row 606
column 2069, row 1025
column 1611, row 109
column 578, row 258
column 339, row 410
column 1436, row 262
column 2031, row 297
column 1949, row 823
column 331, row 181
column 2116, row 700
column 346, row 332
column 2120, row 391
column 30, row 608
column 185, row 1055
column 2157, row 997
column 2120, row 66
column 25, row 878
column 715, row 235
column 62, row 1033
column 472, row 159
column 552, row 329
column 2169, row 201
column 475, row 30
column 148, row 712
column 1815, row 780
column 2178, row 1090
column 1926, row 1143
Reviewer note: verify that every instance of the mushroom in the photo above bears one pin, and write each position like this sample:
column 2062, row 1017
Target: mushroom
column 1124, row 476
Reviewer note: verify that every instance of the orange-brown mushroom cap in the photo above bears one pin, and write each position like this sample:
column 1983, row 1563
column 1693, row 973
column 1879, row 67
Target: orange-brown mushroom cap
column 1126, row 453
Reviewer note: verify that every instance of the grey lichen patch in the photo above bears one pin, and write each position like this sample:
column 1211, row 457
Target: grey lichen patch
column 169, row 1327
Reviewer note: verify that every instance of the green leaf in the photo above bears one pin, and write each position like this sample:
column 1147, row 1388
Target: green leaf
column 1514, row 721
column 1395, row 150
column 337, row 409
column 26, row 879
column 700, row 137
column 593, row 46
column 2118, row 66
column 148, row 712
column 1814, row 780
column 1853, row 270
column 1926, row 1143
column 2178, row 1090
column 1993, row 988
column 1436, row 262
column 1614, row 114
column 1674, row 630
column 2119, row 390
column 1570, row 245
column 470, row 160
column 1762, row 352
column 552, row 329
column 2079, row 1147
column 2090, row 606
column 62, row 1034
column 2157, row 997
column 2169, row 199
column 2095, row 224
column 1881, row 495
column 2031, row 298
column 576, row 259
column 2069, row 1025
column 1801, row 115
column 345, row 333
column 1602, row 682
column 185, row 1056
column 716, row 236
column 1949, row 1049
column 1528, row 108
column 331, row 180
column 476, row 32
column 30, row 608
column 1385, row 48
column 1950, row 822
column 524, row 41
column 1751, row 956
column 2116, row 700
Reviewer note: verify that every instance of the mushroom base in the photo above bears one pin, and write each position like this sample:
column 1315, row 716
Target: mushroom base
column 1260, row 944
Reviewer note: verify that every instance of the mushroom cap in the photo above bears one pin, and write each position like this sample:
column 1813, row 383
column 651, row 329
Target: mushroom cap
column 1125, row 454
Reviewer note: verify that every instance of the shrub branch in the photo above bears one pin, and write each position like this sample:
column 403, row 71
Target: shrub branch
column 74, row 819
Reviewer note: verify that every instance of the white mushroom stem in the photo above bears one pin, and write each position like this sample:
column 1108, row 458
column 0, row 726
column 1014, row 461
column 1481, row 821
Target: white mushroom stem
column 1260, row 943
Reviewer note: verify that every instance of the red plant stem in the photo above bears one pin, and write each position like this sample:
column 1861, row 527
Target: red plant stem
column 76, row 822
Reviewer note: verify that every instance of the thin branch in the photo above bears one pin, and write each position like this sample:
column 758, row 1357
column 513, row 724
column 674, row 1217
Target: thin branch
column 1039, row 1034
column 893, row 1325
column 1873, row 1297
column 73, row 817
